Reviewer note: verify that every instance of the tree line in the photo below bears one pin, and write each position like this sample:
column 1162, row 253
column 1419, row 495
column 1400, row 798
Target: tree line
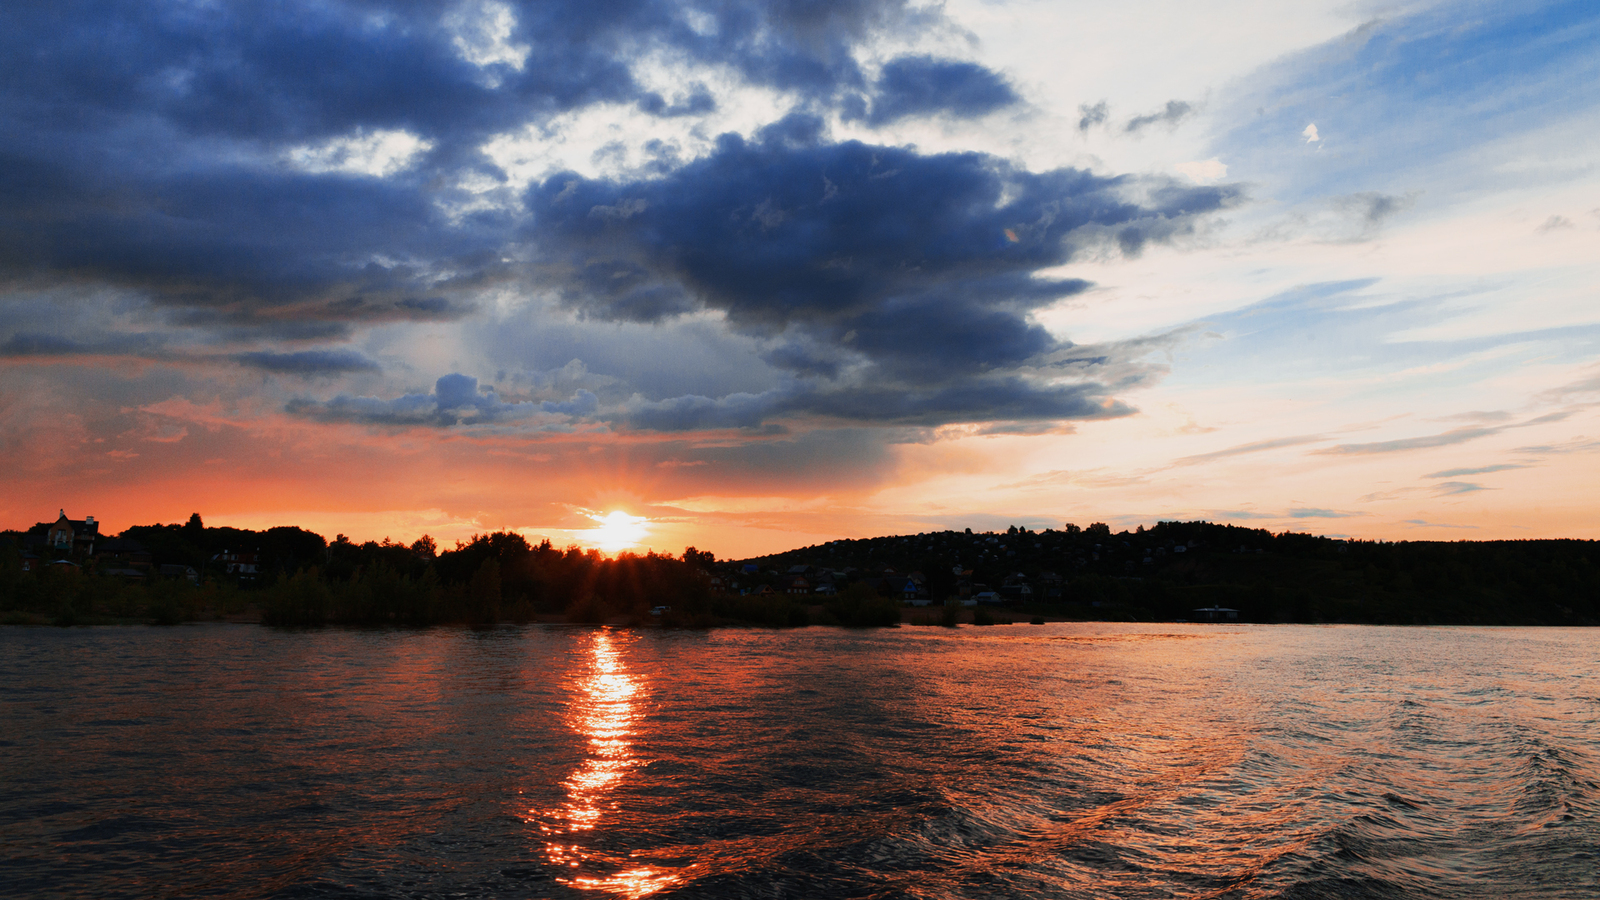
column 1163, row 573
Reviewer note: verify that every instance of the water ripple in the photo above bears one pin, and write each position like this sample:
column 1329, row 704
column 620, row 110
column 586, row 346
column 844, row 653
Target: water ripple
column 1048, row 761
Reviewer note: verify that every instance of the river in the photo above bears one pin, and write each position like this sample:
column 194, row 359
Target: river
column 1062, row 760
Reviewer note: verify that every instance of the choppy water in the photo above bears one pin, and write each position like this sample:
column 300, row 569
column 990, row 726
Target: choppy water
column 1020, row 761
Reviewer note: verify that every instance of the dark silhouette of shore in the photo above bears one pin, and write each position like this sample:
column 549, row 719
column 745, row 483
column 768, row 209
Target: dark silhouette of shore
column 1175, row 571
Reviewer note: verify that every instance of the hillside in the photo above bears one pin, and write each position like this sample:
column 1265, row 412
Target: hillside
column 1169, row 571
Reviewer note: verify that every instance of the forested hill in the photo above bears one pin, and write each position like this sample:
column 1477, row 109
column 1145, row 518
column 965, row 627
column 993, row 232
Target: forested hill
column 1168, row 571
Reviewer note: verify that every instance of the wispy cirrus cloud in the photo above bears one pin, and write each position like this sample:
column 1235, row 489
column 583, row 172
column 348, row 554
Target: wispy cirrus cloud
column 1458, row 487
column 1314, row 513
column 1480, row 470
column 1424, row 523
column 1253, row 447
column 1400, row 445
column 1443, row 439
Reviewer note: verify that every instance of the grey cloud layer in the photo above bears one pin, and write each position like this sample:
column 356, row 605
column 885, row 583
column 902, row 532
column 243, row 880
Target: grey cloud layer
column 150, row 148
column 925, row 86
column 893, row 285
column 154, row 347
column 455, row 400
column 141, row 143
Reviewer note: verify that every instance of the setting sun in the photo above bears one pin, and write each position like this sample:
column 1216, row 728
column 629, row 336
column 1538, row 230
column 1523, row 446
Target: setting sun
column 616, row 530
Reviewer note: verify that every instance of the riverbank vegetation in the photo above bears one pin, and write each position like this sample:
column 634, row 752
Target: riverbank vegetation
column 1173, row 572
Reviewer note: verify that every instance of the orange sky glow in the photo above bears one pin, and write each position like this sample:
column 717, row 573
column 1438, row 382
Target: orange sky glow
column 989, row 264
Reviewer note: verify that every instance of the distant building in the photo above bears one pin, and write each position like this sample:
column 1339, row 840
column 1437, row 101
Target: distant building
column 75, row 536
column 239, row 562
column 174, row 571
column 1016, row 593
column 1216, row 614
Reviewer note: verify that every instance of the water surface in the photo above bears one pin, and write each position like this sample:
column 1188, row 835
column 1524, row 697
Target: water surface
column 1019, row 761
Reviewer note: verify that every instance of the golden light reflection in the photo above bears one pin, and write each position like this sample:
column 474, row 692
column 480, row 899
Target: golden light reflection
column 605, row 714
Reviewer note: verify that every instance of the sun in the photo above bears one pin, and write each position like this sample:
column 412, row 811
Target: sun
column 616, row 530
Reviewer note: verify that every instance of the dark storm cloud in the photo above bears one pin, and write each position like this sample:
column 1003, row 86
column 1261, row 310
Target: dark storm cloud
column 1174, row 112
column 238, row 243
column 1008, row 399
column 23, row 345
column 156, row 347
column 309, row 362
column 913, row 86
column 142, row 145
column 868, row 265
column 456, row 400
column 190, row 157
column 698, row 102
column 307, row 69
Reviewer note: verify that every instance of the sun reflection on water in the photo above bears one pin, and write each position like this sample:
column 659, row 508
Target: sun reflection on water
column 606, row 715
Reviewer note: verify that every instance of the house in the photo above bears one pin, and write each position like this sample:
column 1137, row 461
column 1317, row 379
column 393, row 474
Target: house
column 72, row 535
column 963, row 582
column 1216, row 614
column 986, row 597
column 1051, row 586
column 907, row 590
column 175, row 571
column 238, row 562
column 798, row 585
column 1016, row 593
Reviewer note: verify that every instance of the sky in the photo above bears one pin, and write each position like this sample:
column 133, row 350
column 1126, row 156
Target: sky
column 750, row 276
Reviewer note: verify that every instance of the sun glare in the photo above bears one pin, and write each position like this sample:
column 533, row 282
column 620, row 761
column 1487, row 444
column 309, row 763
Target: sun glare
column 616, row 530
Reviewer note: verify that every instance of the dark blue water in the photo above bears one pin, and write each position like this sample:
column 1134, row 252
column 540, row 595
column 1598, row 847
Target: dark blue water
column 1015, row 761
